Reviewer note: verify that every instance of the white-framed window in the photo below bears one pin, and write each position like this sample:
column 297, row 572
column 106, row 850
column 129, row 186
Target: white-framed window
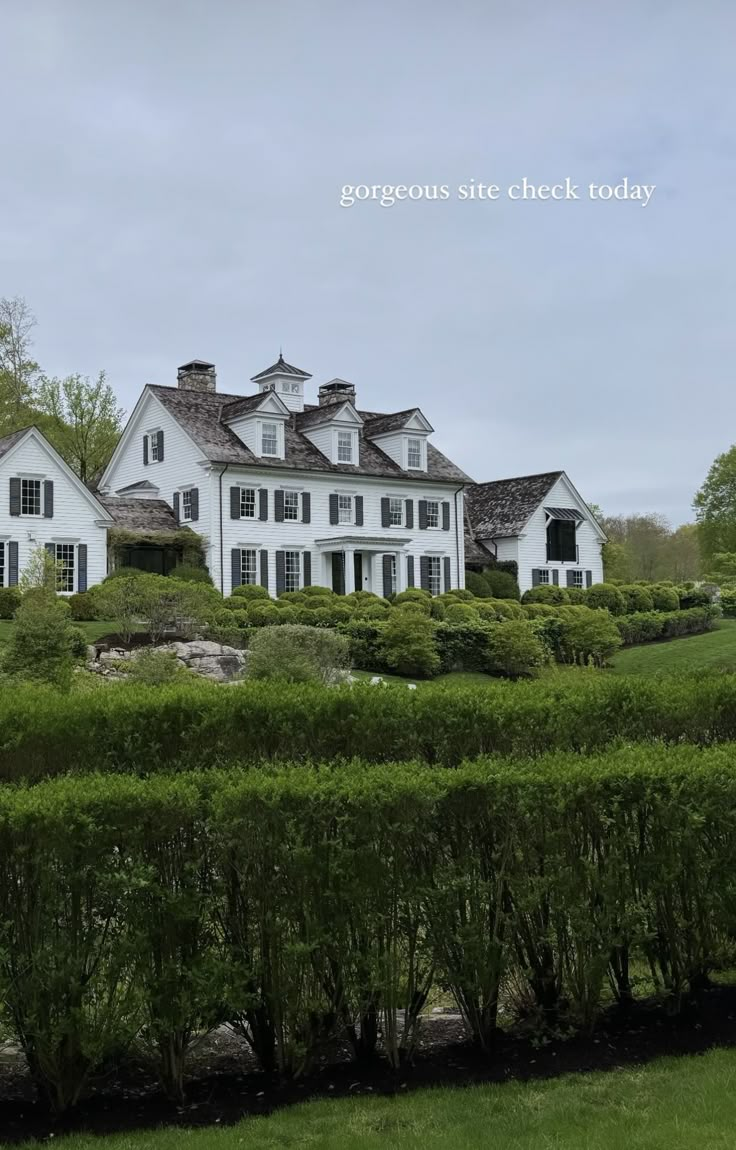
column 186, row 505
column 295, row 389
column 577, row 579
column 392, row 574
column 2, row 564
column 434, row 573
column 247, row 502
column 153, row 446
column 396, row 512
column 291, row 505
column 269, row 439
column 30, row 496
column 344, row 509
column 65, row 566
column 247, row 565
column 433, row 513
column 292, row 570
column 414, row 453
column 544, row 575
column 344, row 447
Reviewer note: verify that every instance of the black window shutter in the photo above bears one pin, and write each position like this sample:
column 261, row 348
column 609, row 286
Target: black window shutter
column 424, row 572
column 535, row 577
column 278, row 506
column 387, row 588
column 307, row 581
column 448, row 575
column 194, row 496
column 555, row 577
column 422, row 514
column 177, row 507
column 264, row 569
column 409, row 568
column 409, row 513
column 145, row 450
column 160, row 435
column 445, row 516
column 263, row 503
column 358, row 510
column 15, row 496
column 235, row 503
column 385, row 513
column 82, row 567
column 48, row 499
column 280, row 570
column 571, row 578
column 334, row 517
column 236, row 567
column 588, row 578
column 306, row 507
column 12, row 564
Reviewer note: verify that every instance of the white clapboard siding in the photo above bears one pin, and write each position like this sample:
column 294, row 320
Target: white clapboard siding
column 77, row 517
column 533, row 542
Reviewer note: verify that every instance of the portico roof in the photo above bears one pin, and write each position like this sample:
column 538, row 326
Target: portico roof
column 361, row 543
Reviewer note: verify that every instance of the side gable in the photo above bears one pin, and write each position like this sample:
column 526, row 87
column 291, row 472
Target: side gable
column 30, row 448
column 124, row 467
column 564, row 494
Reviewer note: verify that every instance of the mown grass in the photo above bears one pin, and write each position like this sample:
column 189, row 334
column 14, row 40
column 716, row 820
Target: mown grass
column 92, row 631
column 671, row 1104
column 713, row 651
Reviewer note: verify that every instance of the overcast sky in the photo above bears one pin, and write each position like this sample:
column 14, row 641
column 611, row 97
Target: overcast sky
column 170, row 189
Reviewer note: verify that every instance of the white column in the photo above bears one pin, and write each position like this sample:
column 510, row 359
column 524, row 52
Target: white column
column 349, row 554
column 400, row 572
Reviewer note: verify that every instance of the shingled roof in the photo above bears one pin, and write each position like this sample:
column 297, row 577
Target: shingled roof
column 503, row 507
column 280, row 367
column 143, row 515
column 200, row 414
column 8, row 441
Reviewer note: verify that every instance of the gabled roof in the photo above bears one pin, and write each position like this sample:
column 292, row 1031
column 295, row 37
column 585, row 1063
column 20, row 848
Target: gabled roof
column 280, row 367
column 9, row 442
column 384, row 424
column 503, row 507
column 248, row 403
column 200, row 415
column 475, row 552
column 141, row 485
column 313, row 416
column 144, row 515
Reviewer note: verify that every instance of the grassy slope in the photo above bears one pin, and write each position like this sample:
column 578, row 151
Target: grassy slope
column 715, row 650
column 673, row 1104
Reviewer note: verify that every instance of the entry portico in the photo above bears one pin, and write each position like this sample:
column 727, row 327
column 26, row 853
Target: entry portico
column 356, row 563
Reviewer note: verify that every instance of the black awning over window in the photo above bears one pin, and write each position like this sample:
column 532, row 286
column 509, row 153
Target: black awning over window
column 564, row 513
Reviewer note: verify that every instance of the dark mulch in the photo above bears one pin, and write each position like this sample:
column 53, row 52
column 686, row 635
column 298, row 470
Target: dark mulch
column 225, row 1087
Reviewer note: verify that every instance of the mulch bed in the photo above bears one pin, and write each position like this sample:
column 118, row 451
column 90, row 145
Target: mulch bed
column 225, row 1087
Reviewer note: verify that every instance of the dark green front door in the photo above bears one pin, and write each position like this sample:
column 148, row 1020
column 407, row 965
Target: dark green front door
column 338, row 572
column 358, row 568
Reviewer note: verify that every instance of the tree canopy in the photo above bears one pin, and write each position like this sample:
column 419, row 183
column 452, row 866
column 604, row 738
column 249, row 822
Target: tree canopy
column 715, row 507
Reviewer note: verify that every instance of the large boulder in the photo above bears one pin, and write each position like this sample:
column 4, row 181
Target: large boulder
column 214, row 661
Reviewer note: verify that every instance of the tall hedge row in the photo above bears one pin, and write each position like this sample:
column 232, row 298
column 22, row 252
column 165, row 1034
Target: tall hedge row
column 130, row 728
column 308, row 904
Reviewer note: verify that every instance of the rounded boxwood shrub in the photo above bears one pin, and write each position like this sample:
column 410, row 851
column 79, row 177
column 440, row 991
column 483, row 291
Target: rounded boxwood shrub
column 461, row 613
column 664, row 597
column 545, row 593
column 298, row 654
column 507, row 608
column 250, row 591
column 514, row 650
column 605, row 595
column 576, row 596
column 408, row 645
column 693, row 597
column 125, row 573
column 377, row 610
column 297, row 598
column 315, row 592
column 263, row 614
column 438, row 610
column 502, row 584
column 10, row 598
column 486, row 610
column 587, row 636
column 478, row 584
column 191, row 573
column 412, row 595
column 82, row 607
column 637, row 598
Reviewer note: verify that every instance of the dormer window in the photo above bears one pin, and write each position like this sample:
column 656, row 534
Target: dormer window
column 269, row 439
column 414, row 453
column 345, row 447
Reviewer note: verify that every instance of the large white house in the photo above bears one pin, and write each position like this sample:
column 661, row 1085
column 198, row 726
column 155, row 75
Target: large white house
column 287, row 493
column 541, row 523
column 47, row 505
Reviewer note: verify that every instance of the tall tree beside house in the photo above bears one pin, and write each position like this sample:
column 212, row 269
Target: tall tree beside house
column 19, row 372
column 715, row 507
column 646, row 547
column 82, row 420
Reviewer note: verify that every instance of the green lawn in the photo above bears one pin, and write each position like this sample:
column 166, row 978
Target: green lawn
column 672, row 1104
column 92, row 631
column 713, row 651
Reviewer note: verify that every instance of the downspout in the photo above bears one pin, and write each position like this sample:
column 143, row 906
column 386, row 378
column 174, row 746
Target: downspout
column 222, row 552
column 457, row 536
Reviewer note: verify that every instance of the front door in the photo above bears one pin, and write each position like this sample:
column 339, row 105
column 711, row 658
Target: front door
column 358, row 568
column 338, row 572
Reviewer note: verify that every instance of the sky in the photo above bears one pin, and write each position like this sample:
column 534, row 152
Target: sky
column 170, row 189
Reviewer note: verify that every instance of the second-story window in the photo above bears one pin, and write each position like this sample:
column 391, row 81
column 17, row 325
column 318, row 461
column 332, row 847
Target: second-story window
column 344, row 447
column 414, row 454
column 269, row 439
column 30, row 496
column 247, row 502
column 433, row 513
column 291, row 505
column 186, row 505
column 396, row 512
column 345, row 509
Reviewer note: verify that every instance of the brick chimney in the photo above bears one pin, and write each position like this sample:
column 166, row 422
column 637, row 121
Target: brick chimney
column 198, row 375
column 336, row 391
